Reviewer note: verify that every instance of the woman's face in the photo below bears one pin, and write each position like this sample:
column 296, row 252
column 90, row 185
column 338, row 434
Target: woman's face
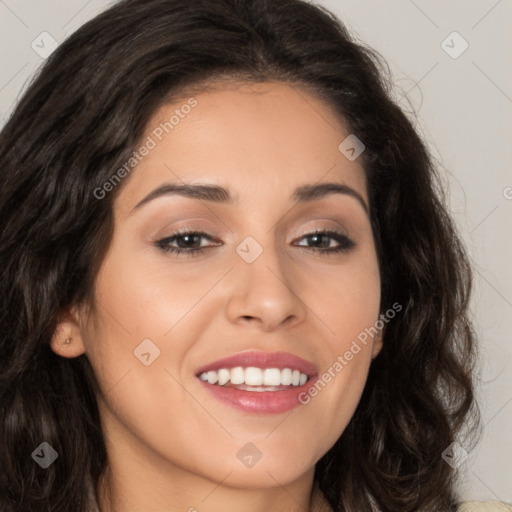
column 263, row 290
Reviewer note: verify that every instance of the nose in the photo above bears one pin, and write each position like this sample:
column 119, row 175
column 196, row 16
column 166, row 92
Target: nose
column 264, row 293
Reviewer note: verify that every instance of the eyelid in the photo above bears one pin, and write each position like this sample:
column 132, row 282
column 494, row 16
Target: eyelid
column 321, row 225
column 304, row 231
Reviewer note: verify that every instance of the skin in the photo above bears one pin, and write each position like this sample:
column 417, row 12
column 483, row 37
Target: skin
column 171, row 446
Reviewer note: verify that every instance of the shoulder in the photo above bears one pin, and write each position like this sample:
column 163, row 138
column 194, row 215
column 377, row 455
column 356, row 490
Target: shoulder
column 484, row 506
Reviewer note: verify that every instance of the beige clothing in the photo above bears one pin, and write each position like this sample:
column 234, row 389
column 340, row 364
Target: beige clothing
column 485, row 506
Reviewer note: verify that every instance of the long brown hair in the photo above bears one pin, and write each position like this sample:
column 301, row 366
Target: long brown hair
column 80, row 120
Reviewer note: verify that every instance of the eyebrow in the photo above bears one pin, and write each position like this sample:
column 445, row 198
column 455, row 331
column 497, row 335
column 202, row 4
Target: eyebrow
column 218, row 194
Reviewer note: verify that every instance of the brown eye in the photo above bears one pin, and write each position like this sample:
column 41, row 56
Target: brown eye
column 184, row 242
column 321, row 241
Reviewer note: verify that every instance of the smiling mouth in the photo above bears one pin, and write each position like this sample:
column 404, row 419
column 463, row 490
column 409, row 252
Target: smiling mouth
column 258, row 382
column 255, row 379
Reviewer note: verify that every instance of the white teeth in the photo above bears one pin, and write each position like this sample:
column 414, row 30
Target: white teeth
column 252, row 376
column 224, row 376
column 237, row 375
column 272, row 377
column 286, row 377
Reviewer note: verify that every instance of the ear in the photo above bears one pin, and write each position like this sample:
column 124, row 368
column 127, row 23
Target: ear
column 67, row 340
column 377, row 343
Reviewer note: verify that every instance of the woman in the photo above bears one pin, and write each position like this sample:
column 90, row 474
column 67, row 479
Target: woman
column 229, row 280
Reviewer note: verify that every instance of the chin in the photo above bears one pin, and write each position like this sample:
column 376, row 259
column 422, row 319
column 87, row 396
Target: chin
column 249, row 469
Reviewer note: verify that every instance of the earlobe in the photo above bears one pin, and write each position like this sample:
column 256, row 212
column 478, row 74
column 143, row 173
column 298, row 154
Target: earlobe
column 67, row 339
column 377, row 343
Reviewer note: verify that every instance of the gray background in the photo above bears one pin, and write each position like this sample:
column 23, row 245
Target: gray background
column 462, row 106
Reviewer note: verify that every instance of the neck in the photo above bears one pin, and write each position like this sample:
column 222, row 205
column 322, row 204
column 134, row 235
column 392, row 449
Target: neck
column 118, row 492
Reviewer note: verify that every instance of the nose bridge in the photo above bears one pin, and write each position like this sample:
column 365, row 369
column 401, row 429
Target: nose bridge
column 263, row 283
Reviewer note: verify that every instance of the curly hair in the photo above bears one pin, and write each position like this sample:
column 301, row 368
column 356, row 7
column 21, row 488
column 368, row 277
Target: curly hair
column 83, row 115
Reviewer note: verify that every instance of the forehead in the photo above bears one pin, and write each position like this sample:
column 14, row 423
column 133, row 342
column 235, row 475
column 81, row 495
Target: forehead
column 257, row 139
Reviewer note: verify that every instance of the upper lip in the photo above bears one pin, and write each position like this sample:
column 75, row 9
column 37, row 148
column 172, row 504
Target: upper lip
column 262, row 360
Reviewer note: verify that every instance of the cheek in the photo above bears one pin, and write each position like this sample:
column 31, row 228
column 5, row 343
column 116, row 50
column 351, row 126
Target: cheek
column 148, row 294
column 348, row 306
column 348, row 301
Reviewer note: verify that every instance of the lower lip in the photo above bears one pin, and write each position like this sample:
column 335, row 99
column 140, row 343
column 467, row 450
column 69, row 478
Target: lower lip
column 260, row 402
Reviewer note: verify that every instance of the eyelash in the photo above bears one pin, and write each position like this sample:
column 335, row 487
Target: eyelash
column 345, row 243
